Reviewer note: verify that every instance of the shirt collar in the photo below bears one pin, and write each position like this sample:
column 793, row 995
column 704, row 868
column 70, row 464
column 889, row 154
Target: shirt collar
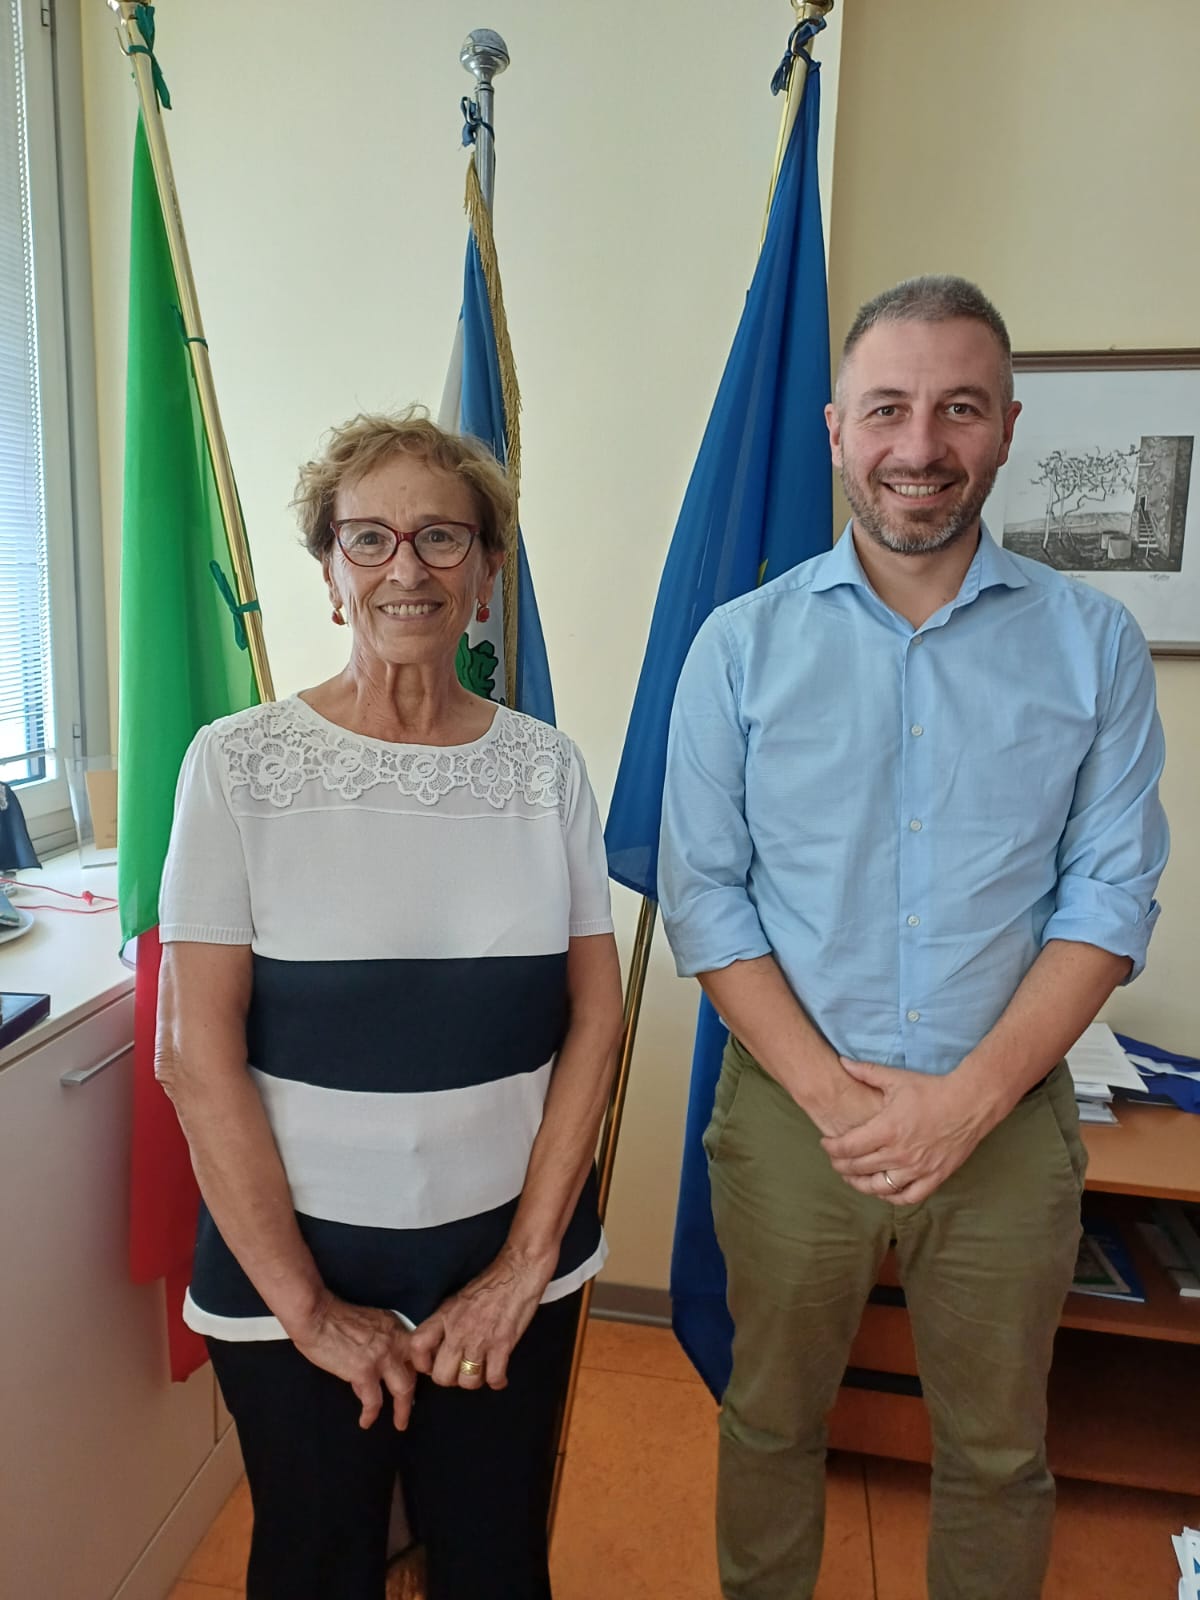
column 998, row 568
column 991, row 567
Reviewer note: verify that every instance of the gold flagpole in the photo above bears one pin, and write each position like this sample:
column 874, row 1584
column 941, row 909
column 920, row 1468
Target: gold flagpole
column 606, row 1155
column 805, row 12
column 137, row 51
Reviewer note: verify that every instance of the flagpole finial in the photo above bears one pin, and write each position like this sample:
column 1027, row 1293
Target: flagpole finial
column 485, row 54
column 806, row 10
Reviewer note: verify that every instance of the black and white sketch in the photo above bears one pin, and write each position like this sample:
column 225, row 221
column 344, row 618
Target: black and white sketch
column 1101, row 481
column 1108, row 510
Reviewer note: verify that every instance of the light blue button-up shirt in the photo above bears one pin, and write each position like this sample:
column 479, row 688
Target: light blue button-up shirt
column 904, row 818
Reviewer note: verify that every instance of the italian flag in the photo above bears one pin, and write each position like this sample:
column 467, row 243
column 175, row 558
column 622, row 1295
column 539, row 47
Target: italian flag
column 180, row 668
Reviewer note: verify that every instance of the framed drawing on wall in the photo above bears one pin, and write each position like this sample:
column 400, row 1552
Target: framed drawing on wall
column 1103, row 481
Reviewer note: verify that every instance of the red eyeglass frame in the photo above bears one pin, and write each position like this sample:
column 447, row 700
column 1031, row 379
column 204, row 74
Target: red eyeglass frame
column 408, row 536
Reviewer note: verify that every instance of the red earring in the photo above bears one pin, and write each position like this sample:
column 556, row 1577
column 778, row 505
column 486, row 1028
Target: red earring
column 338, row 618
column 482, row 611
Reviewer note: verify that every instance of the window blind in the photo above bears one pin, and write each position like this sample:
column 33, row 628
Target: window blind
column 25, row 676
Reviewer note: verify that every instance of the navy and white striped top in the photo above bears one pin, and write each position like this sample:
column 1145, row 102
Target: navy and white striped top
column 409, row 909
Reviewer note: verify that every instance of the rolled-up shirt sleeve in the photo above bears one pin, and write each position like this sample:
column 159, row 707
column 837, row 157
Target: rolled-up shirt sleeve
column 705, row 851
column 1114, row 846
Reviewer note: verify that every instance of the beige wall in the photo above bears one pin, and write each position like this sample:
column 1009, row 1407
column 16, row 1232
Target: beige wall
column 320, row 177
column 1029, row 147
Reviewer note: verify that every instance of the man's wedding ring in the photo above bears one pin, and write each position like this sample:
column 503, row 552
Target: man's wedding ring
column 470, row 1369
column 887, row 1178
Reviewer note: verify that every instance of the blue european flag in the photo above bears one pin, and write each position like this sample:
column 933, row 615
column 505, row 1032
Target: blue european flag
column 759, row 501
column 478, row 408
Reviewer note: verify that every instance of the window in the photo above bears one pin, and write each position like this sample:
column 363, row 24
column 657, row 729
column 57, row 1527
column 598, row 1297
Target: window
column 26, row 690
column 42, row 739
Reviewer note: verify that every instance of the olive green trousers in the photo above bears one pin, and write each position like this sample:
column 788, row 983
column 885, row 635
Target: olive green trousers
column 986, row 1263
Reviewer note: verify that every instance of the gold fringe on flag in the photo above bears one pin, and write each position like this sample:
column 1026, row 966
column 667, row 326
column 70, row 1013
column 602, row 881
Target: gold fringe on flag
column 480, row 219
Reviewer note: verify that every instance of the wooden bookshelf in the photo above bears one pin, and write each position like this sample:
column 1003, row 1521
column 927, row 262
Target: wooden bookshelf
column 1125, row 1378
column 1121, row 1411
column 1124, row 1411
column 1165, row 1315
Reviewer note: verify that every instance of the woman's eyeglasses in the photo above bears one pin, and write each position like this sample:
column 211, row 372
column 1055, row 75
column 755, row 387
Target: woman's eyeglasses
column 373, row 544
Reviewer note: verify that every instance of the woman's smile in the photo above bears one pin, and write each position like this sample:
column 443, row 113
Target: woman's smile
column 409, row 609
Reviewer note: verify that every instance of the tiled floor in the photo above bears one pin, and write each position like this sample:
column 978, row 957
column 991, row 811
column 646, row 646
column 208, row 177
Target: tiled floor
column 635, row 1517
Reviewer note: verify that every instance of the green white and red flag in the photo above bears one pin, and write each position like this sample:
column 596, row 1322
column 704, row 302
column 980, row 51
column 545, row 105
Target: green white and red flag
column 181, row 666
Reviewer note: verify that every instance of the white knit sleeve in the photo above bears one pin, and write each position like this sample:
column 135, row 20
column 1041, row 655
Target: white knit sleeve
column 205, row 894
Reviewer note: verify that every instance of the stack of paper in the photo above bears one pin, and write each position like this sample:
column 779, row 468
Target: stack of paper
column 1187, row 1553
column 1098, row 1065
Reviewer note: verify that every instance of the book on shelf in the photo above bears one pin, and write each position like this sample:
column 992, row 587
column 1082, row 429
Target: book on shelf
column 1173, row 1236
column 1103, row 1266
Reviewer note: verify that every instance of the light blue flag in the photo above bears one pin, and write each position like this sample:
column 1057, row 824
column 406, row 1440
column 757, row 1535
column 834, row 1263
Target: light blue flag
column 474, row 403
column 759, row 501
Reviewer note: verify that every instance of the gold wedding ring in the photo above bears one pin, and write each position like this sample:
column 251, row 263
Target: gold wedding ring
column 470, row 1369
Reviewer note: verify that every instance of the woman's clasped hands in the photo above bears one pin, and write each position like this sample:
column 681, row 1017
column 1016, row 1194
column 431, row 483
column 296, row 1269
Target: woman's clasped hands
column 467, row 1341
column 464, row 1344
column 367, row 1346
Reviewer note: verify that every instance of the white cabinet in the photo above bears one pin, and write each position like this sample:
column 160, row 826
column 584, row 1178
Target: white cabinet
column 109, row 1473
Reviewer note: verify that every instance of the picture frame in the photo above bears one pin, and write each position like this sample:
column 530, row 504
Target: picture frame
column 1103, row 480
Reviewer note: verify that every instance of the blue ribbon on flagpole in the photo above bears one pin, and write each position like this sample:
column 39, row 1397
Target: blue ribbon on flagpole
column 802, row 34
column 473, row 121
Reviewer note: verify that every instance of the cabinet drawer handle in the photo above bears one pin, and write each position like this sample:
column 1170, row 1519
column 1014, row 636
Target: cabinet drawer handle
column 78, row 1075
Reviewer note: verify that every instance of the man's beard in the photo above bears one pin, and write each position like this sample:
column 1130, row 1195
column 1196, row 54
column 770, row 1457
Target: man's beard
column 915, row 537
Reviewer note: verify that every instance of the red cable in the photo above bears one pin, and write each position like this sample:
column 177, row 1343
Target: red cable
column 93, row 905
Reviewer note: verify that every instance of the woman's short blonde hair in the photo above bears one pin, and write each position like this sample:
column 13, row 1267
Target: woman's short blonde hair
column 367, row 441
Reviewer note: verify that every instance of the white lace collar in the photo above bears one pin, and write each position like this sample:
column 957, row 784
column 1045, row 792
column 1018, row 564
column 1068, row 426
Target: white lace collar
column 275, row 749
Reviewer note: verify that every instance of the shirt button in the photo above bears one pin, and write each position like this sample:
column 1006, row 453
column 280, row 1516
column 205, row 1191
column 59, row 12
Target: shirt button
column 917, row 637
column 916, row 730
column 914, row 1016
column 915, row 825
column 914, row 922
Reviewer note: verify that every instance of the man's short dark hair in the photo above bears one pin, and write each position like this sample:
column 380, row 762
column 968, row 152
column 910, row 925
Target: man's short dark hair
column 933, row 298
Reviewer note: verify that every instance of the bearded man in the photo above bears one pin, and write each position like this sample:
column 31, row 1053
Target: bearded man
column 911, row 839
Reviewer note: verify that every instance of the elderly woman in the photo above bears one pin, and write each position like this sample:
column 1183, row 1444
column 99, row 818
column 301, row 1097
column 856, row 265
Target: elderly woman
column 389, row 1008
